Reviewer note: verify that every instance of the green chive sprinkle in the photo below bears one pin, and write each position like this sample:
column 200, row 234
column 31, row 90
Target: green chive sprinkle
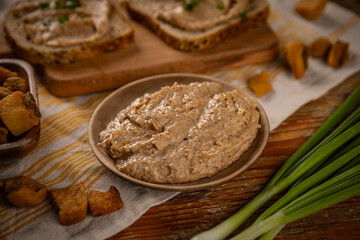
column 44, row 5
column 220, row 5
column 63, row 19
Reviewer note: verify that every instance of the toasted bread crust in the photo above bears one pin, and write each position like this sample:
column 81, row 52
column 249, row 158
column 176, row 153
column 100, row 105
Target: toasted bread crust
column 66, row 55
column 24, row 191
column 101, row 203
column 207, row 41
column 73, row 55
column 71, row 203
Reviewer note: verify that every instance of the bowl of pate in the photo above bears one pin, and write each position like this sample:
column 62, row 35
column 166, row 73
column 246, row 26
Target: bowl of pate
column 178, row 131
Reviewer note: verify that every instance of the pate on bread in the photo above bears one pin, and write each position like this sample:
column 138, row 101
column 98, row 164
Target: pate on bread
column 198, row 24
column 64, row 31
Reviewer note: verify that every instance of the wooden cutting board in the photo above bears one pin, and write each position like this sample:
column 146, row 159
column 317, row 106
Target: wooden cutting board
column 149, row 55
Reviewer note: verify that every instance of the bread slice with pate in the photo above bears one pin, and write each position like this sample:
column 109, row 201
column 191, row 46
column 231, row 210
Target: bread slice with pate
column 187, row 26
column 62, row 32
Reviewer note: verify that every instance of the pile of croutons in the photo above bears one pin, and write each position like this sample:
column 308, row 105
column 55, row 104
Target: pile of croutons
column 296, row 56
column 71, row 203
column 18, row 110
column 297, row 53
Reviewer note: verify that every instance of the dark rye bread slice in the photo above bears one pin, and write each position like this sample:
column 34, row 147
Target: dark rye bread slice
column 140, row 10
column 119, row 35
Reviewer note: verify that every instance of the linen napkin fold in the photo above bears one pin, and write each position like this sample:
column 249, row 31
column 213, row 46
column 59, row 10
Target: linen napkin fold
column 64, row 157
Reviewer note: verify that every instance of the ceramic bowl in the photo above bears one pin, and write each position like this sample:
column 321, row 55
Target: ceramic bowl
column 122, row 97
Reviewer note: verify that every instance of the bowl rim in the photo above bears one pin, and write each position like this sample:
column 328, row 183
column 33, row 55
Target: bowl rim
column 13, row 149
column 179, row 186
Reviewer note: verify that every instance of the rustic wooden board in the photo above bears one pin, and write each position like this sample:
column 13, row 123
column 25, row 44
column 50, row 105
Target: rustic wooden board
column 193, row 212
column 149, row 55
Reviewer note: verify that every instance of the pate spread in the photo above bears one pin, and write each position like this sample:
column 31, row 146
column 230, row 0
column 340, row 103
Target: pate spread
column 59, row 23
column 181, row 133
column 206, row 14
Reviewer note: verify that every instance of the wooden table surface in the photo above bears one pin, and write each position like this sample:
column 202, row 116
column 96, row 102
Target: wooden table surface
column 191, row 212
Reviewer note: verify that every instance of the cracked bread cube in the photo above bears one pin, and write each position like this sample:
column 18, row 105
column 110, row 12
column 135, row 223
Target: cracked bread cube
column 102, row 203
column 19, row 112
column 71, row 203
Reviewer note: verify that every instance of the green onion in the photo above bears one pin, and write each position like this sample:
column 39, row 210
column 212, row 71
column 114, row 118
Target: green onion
column 71, row 4
column 314, row 179
column 303, row 161
column 63, row 19
column 189, row 5
column 331, row 122
column 270, row 235
column 57, row 5
column 84, row 16
column 243, row 13
column 300, row 182
column 333, row 191
column 44, row 5
column 220, row 5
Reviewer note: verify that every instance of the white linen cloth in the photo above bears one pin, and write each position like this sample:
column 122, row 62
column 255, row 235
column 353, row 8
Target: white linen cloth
column 64, row 157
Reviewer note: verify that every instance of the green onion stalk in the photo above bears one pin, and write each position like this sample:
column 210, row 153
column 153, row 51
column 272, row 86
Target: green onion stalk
column 300, row 163
column 352, row 156
column 333, row 191
column 342, row 167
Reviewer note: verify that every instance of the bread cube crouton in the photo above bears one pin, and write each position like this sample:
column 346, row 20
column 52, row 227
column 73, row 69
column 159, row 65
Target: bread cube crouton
column 259, row 84
column 102, row 203
column 296, row 56
column 71, row 203
column 320, row 48
column 3, row 134
column 19, row 112
column 4, row 92
column 310, row 9
column 5, row 73
column 16, row 84
column 24, row 191
column 339, row 54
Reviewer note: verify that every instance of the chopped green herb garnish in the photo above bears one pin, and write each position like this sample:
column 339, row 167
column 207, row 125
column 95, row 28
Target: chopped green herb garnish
column 189, row 5
column 46, row 22
column 63, row 19
column 220, row 5
column 71, row 4
column 57, row 5
column 243, row 13
column 84, row 16
column 44, row 5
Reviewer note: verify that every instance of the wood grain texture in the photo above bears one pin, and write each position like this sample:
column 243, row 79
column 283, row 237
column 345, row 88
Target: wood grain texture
column 191, row 212
column 149, row 55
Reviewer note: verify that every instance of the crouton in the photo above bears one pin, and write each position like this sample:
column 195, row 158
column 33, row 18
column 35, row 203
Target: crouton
column 296, row 56
column 2, row 183
column 24, row 191
column 5, row 73
column 320, row 48
column 259, row 84
column 4, row 92
column 310, row 9
column 102, row 203
column 16, row 84
column 71, row 203
column 19, row 112
column 3, row 134
column 339, row 54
